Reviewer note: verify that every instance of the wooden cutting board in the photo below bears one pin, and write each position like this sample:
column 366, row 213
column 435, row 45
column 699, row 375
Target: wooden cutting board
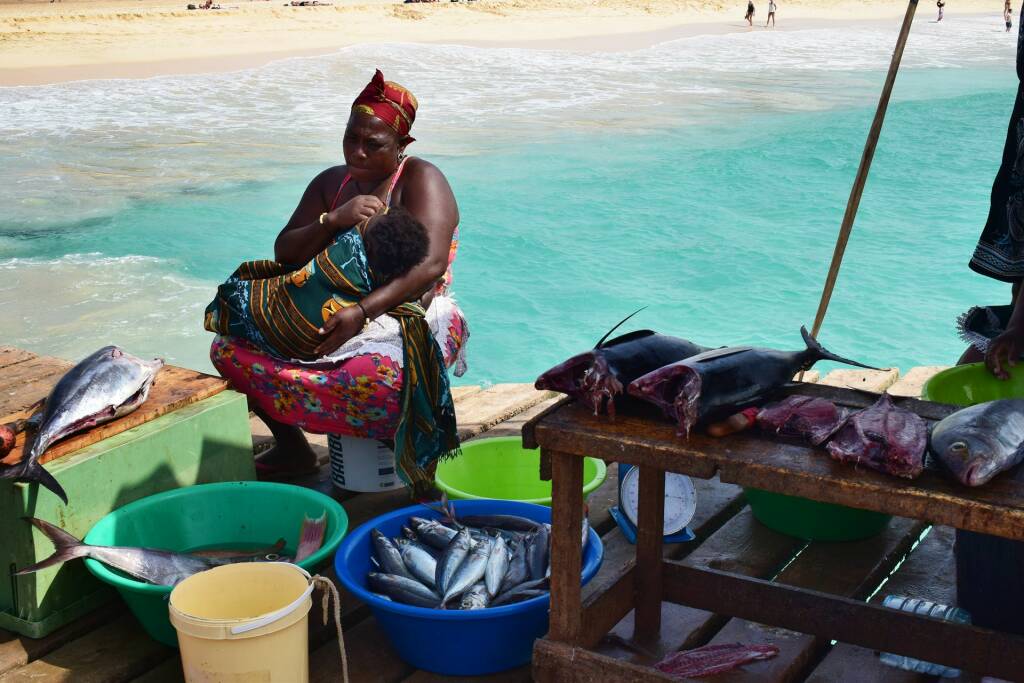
column 26, row 377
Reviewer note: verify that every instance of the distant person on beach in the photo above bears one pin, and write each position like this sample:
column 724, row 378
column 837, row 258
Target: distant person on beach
column 771, row 13
column 988, row 568
column 382, row 349
column 750, row 12
column 1008, row 16
column 941, row 5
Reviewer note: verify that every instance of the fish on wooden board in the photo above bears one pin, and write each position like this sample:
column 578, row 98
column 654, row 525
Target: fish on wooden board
column 979, row 442
column 803, row 417
column 883, row 437
column 722, row 381
column 713, row 659
column 599, row 376
column 103, row 386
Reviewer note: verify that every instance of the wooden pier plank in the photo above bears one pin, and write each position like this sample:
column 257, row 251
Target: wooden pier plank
column 929, row 572
column 17, row 650
column 10, row 355
column 851, row 569
column 483, row 410
column 742, row 545
column 118, row 651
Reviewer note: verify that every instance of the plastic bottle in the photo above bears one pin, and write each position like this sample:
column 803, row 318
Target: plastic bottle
column 931, row 609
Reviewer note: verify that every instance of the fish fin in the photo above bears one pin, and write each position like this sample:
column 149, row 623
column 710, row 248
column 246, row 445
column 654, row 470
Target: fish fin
column 67, row 546
column 311, row 536
column 821, row 353
column 617, row 326
column 723, row 352
column 31, row 471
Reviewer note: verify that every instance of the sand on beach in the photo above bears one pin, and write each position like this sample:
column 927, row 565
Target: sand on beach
column 42, row 41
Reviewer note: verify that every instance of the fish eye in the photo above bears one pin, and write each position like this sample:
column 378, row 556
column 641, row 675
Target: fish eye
column 958, row 447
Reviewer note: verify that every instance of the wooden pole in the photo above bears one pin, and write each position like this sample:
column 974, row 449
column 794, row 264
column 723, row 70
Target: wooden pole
column 862, row 172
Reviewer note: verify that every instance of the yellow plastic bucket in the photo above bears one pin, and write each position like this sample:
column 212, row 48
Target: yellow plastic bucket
column 244, row 622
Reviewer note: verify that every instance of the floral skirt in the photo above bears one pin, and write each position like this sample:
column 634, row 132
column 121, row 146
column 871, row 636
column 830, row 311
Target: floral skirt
column 357, row 397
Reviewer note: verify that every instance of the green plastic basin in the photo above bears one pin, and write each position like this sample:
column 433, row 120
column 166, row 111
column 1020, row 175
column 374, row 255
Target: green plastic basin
column 502, row 469
column 812, row 520
column 245, row 514
column 966, row 385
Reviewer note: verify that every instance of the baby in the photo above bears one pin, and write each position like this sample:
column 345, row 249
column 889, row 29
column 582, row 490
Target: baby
column 281, row 311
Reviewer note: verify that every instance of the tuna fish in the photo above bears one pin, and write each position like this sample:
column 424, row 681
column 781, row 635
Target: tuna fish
column 470, row 571
column 420, row 563
column 402, row 589
column 388, row 556
column 104, row 386
column 720, row 382
column 153, row 566
column 432, row 532
column 497, row 566
column 599, row 376
column 524, row 591
column 451, row 559
column 475, row 598
column 979, row 442
column 518, row 570
column 883, row 437
column 537, row 551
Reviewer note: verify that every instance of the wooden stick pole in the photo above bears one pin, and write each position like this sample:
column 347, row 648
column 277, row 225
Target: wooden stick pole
column 862, row 172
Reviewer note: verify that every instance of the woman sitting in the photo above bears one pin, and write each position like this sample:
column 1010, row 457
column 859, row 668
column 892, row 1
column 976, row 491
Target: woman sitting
column 358, row 384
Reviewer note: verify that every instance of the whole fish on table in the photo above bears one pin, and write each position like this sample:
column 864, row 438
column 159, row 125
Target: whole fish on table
column 979, row 442
column 598, row 377
column 105, row 385
column 722, row 381
column 883, row 437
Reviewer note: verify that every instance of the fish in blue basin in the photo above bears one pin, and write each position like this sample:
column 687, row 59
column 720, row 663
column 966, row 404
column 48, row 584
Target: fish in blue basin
column 598, row 377
column 720, row 382
column 979, row 442
column 105, row 385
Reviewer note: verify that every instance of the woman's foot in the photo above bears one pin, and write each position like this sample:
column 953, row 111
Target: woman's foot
column 286, row 461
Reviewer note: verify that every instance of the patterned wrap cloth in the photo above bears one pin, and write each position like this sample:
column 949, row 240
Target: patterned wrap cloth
column 389, row 102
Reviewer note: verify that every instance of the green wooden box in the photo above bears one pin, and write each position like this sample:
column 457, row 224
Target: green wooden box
column 208, row 441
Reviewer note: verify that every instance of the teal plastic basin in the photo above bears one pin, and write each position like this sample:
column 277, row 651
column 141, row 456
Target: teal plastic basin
column 500, row 468
column 966, row 385
column 245, row 514
column 812, row 520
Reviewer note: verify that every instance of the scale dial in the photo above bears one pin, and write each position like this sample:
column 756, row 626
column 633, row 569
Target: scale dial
column 680, row 499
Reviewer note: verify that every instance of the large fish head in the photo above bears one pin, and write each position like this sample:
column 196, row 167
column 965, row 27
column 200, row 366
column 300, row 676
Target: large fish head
column 973, row 456
column 567, row 377
column 585, row 377
column 676, row 389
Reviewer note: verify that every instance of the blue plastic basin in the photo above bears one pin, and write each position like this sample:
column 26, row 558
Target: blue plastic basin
column 455, row 642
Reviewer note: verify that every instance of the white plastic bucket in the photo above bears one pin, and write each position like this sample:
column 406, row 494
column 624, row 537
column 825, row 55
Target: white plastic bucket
column 244, row 622
column 364, row 465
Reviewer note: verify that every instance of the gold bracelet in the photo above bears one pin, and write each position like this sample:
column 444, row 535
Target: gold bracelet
column 322, row 216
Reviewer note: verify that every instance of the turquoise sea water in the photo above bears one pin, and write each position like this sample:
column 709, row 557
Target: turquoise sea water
column 704, row 178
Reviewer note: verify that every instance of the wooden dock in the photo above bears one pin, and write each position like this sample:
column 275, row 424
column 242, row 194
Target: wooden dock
column 908, row 557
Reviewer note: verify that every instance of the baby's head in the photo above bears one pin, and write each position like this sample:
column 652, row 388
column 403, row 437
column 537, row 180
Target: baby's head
column 395, row 243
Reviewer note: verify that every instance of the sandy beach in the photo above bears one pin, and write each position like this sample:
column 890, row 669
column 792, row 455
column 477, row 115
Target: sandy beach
column 45, row 42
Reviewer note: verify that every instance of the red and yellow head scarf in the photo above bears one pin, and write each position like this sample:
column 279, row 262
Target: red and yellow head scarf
column 389, row 102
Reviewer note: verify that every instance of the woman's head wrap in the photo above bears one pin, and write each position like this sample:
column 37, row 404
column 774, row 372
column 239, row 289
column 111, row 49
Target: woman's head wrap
column 389, row 102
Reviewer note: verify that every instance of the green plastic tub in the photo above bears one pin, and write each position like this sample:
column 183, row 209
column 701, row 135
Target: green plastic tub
column 502, row 469
column 812, row 520
column 244, row 514
column 966, row 385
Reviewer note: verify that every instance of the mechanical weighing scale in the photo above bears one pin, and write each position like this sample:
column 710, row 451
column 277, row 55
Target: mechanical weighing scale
column 680, row 505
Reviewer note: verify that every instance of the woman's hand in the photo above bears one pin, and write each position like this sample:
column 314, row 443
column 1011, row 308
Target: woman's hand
column 1004, row 351
column 354, row 211
column 339, row 328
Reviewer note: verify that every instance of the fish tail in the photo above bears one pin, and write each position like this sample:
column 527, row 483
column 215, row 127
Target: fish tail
column 617, row 326
column 818, row 352
column 311, row 537
column 30, row 470
column 67, row 546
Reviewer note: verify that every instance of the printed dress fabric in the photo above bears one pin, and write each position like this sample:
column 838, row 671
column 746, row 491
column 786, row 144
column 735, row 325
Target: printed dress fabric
column 354, row 391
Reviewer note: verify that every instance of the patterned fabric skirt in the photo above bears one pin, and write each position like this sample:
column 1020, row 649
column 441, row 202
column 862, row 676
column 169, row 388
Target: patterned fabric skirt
column 358, row 396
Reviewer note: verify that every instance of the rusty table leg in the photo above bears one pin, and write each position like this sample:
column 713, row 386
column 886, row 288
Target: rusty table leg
column 566, row 546
column 650, row 527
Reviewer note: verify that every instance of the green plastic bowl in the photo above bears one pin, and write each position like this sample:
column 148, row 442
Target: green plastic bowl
column 812, row 520
column 243, row 514
column 966, row 385
column 500, row 468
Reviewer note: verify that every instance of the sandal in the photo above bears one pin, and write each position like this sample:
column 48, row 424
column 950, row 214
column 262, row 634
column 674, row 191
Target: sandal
column 268, row 472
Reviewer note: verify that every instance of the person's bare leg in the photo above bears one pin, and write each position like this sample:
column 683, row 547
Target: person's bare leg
column 291, row 452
